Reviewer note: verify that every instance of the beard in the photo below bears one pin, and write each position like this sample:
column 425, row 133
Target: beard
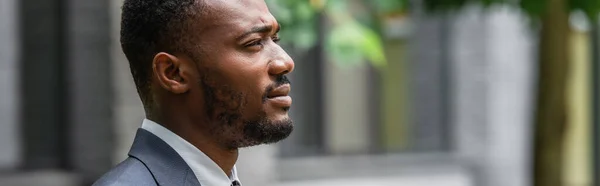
column 263, row 132
column 226, row 107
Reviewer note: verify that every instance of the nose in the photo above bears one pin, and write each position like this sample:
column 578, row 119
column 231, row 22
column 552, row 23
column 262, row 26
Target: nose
column 282, row 64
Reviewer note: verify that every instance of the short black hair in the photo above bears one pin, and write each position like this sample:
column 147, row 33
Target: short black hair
column 149, row 27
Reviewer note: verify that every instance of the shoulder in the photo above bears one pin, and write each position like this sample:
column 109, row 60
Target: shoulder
column 127, row 173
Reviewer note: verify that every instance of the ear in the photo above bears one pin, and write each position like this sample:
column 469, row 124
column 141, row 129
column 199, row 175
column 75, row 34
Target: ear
column 170, row 72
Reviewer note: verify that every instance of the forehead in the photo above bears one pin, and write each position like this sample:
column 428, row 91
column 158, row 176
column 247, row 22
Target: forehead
column 236, row 14
column 252, row 5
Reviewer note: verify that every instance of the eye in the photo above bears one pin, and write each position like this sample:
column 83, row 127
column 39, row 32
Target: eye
column 257, row 42
column 276, row 39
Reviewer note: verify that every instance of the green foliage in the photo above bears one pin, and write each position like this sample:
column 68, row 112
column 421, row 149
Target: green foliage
column 389, row 6
column 435, row 6
column 347, row 41
column 534, row 8
column 590, row 7
column 351, row 41
column 298, row 20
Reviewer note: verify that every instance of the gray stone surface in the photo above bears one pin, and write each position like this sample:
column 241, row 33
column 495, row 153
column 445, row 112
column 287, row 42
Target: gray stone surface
column 127, row 107
column 493, row 71
column 9, row 93
column 438, row 179
column 90, row 92
column 511, row 51
column 42, row 83
column 45, row 178
column 470, row 99
column 428, row 101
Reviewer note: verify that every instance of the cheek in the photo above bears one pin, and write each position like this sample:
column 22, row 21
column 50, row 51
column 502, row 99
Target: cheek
column 248, row 75
column 245, row 72
column 255, row 90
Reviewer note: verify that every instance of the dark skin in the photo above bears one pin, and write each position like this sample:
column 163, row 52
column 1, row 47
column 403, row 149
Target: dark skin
column 237, row 57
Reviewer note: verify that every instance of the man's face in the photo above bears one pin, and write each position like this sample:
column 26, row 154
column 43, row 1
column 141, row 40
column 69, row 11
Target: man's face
column 242, row 84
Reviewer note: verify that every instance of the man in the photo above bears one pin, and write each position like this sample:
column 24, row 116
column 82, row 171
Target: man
column 212, row 80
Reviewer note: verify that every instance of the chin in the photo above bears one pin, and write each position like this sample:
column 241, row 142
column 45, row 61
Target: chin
column 266, row 131
column 279, row 118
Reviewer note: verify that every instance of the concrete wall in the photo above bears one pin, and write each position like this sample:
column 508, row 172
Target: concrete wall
column 511, row 54
column 128, row 112
column 9, row 93
column 493, row 75
column 89, row 87
column 428, row 86
column 470, row 89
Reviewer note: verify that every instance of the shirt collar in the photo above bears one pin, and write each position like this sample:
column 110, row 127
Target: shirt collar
column 207, row 171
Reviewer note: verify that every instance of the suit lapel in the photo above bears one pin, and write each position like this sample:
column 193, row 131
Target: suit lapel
column 167, row 167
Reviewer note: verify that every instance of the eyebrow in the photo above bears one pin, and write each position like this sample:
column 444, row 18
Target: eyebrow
column 260, row 29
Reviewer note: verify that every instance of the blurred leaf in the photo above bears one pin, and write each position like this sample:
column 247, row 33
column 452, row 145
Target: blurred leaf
column 280, row 11
column 534, row 8
column 336, row 5
column 318, row 4
column 443, row 5
column 352, row 43
column 305, row 36
column 343, row 44
column 297, row 20
column 590, row 7
column 372, row 47
column 389, row 6
column 304, row 12
column 348, row 41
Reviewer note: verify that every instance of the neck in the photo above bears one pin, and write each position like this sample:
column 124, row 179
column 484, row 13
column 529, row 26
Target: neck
column 202, row 139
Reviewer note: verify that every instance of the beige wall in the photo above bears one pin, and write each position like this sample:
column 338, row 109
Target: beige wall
column 578, row 138
column 346, row 112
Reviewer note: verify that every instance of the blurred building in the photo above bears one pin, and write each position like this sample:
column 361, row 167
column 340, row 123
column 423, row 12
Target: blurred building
column 453, row 107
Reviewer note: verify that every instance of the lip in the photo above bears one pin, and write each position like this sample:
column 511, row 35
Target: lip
column 279, row 96
column 280, row 91
column 281, row 101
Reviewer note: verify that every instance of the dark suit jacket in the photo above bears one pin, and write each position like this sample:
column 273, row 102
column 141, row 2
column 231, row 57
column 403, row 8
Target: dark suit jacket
column 151, row 162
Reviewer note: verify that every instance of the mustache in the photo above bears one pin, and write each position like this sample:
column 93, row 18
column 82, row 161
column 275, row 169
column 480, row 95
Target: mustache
column 280, row 80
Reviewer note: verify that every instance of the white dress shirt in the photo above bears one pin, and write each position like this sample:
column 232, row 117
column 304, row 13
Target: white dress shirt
column 207, row 171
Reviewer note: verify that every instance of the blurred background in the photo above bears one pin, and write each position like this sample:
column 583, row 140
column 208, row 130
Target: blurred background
column 386, row 93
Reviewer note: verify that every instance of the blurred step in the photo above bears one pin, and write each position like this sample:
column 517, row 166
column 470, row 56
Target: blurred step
column 46, row 178
column 450, row 179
